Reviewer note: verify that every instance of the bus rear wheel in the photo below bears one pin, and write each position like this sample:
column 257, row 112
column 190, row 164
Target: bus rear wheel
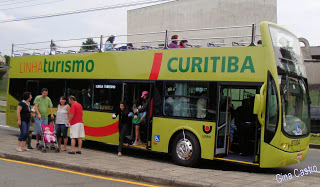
column 186, row 151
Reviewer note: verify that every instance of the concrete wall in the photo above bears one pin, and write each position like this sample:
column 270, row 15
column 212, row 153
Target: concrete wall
column 195, row 14
column 313, row 69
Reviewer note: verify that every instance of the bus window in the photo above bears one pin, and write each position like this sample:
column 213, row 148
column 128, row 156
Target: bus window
column 81, row 89
column 186, row 100
column 272, row 111
column 56, row 89
column 17, row 88
column 106, row 95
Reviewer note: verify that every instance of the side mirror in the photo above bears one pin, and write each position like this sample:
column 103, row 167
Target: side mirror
column 260, row 104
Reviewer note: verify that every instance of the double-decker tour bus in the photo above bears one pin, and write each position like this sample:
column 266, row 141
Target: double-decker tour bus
column 245, row 104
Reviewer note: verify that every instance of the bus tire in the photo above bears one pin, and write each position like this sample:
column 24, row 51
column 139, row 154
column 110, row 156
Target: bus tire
column 186, row 152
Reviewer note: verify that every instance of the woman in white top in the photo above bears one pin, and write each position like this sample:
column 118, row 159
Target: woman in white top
column 63, row 112
column 109, row 43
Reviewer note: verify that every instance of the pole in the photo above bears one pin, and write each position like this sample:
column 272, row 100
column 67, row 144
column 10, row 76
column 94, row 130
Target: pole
column 101, row 42
column 253, row 36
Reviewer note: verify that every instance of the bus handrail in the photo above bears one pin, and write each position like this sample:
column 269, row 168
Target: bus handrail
column 18, row 47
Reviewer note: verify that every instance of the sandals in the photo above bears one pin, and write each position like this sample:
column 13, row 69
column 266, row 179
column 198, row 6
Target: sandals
column 25, row 149
column 19, row 149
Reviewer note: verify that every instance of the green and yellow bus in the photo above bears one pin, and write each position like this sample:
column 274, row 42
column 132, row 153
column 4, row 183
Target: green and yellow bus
column 197, row 94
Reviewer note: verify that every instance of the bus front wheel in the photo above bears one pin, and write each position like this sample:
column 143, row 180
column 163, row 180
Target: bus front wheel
column 186, row 149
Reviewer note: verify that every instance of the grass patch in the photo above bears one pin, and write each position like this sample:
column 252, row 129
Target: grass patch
column 315, row 139
column 3, row 88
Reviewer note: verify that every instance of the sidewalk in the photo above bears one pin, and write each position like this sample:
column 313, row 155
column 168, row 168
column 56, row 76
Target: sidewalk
column 155, row 171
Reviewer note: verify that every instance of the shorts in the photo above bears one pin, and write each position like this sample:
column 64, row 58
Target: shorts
column 37, row 124
column 231, row 137
column 61, row 128
column 138, row 124
column 77, row 130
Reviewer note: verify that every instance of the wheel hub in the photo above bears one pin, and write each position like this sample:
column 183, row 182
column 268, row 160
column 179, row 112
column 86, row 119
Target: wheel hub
column 184, row 149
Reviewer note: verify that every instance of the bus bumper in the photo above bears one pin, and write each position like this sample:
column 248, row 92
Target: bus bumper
column 272, row 157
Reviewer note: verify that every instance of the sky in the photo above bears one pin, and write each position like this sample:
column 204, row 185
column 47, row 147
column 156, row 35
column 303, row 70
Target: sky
column 298, row 16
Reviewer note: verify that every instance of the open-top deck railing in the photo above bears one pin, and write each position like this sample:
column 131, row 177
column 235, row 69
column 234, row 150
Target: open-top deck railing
column 72, row 45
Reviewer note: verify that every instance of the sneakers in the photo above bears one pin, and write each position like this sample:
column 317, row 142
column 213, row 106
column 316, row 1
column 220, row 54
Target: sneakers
column 137, row 143
column 37, row 146
column 19, row 149
column 29, row 147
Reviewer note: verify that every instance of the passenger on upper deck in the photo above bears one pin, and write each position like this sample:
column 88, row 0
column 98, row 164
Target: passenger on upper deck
column 129, row 46
column 183, row 43
column 174, row 43
column 53, row 48
column 109, row 43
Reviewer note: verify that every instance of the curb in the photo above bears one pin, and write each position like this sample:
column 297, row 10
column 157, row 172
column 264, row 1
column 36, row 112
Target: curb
column 145, row 177
column 314, row 146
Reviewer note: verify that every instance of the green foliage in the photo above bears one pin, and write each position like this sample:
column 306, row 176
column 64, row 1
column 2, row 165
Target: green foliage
column 91, row 42
column 7, row 60
column 315, row 139
column 2, row 72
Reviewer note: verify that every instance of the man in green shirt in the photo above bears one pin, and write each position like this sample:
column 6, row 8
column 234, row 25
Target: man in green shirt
column 41, row 104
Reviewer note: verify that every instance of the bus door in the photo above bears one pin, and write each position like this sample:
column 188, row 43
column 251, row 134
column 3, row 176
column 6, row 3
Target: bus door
column 223, row 120
column 33, row 87
column 133, row 91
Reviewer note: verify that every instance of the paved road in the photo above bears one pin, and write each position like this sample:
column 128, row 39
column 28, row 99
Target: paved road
column 18, row 174
column 3, row 103
column 156, row 164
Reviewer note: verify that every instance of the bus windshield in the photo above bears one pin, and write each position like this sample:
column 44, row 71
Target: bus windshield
column 295, row 107
column 287, row 51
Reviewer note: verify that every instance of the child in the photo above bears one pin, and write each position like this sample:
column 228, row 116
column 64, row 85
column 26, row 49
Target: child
column 136, row 120
column 49, row 135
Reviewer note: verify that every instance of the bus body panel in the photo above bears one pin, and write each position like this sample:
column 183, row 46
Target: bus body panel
column 274, row 157
column 218, row 64
column 164, row 128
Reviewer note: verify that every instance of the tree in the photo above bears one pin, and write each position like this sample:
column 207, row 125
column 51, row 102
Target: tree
column 91, row 42
column 7, row 60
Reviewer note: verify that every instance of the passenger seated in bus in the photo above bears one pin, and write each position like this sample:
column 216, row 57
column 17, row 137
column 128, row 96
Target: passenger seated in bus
column 174, row 43
column 202, row 106
column 168, row 107
column 109, row 43
column 244, row 120
column 183, row 43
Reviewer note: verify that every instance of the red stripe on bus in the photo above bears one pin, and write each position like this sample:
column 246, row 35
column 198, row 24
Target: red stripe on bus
column 101, row 131
column 156, row 66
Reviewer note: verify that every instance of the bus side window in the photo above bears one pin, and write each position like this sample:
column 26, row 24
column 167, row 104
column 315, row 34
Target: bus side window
column 79, row 89
column 106, row 96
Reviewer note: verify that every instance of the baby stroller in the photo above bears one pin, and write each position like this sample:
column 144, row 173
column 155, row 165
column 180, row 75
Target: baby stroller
column 48, row 137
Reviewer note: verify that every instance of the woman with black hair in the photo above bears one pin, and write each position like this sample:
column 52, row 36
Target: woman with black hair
column 109, row 43
column 24, row 117
column 124, row 121
column 63, row 112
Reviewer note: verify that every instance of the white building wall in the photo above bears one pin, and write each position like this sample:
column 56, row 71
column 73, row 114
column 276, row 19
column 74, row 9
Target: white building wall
column 195, row 14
